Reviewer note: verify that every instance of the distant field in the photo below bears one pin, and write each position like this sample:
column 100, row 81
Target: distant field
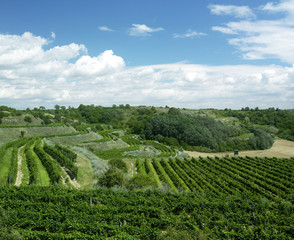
column 19, row 121
column 10, row 134
column 280, row 149
column 77, row 139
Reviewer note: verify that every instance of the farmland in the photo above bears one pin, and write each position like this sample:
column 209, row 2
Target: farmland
column 94, row 181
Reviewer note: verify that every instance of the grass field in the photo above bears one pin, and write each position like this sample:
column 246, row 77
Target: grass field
column 19, row 121
column 76, row 139
column 280, row 149
column 10, row 134
column 5, row 165
column 85, row 174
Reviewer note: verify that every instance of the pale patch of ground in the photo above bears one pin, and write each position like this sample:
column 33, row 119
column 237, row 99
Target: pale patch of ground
column 102, row 146
column 19, row 172
column 280, row 149
column 73, row 182
column 85, row 173
column 145, row 151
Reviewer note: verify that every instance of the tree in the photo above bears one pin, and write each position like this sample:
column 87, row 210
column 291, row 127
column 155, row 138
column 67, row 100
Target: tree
column 140, row 181
column 22, row 133
column 174, row 111
column 112, row 177
column 57, row 107
column 28, row 119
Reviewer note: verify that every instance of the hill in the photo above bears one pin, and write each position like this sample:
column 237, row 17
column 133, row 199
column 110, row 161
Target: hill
column 126, row 173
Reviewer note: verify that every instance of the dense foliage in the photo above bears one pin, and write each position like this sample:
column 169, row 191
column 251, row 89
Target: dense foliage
column 193, row 130
column 283, row 120
column 189, row 129
column 56, row 213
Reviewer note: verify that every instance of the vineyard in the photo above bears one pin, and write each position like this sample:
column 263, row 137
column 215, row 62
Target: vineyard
column 188, row 198
column 57, row 213
column 39, row 163
column 265, row 177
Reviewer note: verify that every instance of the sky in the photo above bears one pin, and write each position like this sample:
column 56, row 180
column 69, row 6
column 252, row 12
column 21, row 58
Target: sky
column 188, row 54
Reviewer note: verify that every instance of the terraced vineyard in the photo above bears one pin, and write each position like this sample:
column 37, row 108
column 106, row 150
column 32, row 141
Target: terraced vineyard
column 199, row 198
column 40, row 164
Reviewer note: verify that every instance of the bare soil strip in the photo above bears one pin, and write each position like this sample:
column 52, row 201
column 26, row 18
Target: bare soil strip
column 19, row 172
column 280, row 149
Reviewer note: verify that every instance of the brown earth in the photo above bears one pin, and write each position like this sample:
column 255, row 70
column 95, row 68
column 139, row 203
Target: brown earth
column 280, row 149
column 19, row 172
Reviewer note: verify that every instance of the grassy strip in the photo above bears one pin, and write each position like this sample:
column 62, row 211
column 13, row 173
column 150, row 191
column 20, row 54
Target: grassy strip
column 63, row 160
column 37, row 173
column 14, row 160
column 152, row 173
column 99, row 140
column 177, row 181
column 163, row 175
column 52, row 168
column 86, row 172
column 129, row 139
column 5, row 162
column 116, row 153
column 29, row 126
column 140, row 167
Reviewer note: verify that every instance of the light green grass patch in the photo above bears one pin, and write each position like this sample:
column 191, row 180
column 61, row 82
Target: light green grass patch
column 117, row 153
column 85, row 173
column 43, row 177
column 13, row 133
column 246, row 135
column 5, row 165
column 76, row 139
column 98, row 165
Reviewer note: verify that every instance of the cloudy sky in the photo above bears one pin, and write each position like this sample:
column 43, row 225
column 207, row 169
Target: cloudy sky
column 193, row 54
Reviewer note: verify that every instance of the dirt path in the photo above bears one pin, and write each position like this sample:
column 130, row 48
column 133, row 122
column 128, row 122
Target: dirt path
column 280, row 149
column 19, row 172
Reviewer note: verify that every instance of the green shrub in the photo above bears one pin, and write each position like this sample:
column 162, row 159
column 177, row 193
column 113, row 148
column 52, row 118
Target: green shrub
column 118, row 163
column 141, row 181
column 112, row 177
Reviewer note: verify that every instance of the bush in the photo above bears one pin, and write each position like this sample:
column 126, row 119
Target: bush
column 118, row 163
column 28, row 119
column 112, row 177
column 141, row 181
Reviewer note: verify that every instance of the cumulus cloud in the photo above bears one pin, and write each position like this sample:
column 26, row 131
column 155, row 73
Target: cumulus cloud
column 189, row 34
column 140, row 30
column 105, row 29
column 260, row 39
column 66, row 75
column 237, row 11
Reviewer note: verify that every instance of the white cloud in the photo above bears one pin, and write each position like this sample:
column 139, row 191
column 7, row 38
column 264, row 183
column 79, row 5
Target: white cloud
column 286, row 6
column 139, row 30
column 189, row 34
column 225, row 30
column 237, row 11
column 105, row 63
column 260, row 39
column 104, row 80
column 53, row 36
column 106, row 29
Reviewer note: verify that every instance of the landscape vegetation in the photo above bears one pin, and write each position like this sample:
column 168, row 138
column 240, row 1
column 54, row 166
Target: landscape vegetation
column 139, row 172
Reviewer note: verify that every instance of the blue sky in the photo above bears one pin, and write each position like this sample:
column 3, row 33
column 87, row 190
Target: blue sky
column 194, row 54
